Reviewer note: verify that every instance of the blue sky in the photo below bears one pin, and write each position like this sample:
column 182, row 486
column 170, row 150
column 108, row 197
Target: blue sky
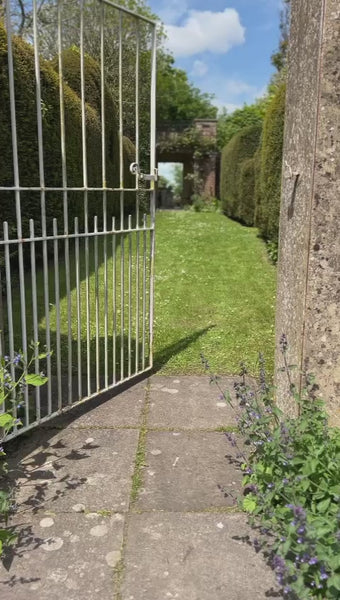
column 224, row 45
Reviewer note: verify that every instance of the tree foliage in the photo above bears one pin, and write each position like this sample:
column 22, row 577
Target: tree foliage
column 178, row 179
column 279, row 58
column 177, row 99
column 230, row 124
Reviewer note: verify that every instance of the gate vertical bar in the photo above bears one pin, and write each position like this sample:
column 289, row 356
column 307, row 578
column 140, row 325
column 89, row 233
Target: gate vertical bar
column 130, row 295
column 35, row 318
column 77, row 265
column 9, row 311
column 96, row 276
column 103, row 133
column 121, row 185
column 114, row 303
column 86, row 208
column 17, row 197
column 153, row 188
column 43, row 202
column 137, row 193
column 144, row 291
column 65, row 203
column 57, row 309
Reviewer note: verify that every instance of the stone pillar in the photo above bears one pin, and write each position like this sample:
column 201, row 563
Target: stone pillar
column 187, row 182
column 308, row 302
column 207, row 168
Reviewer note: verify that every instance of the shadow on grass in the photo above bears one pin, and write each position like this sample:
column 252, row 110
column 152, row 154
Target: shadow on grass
column 162, row 357
column 123, row 360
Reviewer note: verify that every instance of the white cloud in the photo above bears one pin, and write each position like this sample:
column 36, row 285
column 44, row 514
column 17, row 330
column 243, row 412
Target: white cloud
column 199, row 69
column 233, row 93
column 235, row 87
column 206, row 31
column 171, row 11
column 229, row 106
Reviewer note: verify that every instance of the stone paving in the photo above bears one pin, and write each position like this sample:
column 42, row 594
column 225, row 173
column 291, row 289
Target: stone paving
column 122, row 500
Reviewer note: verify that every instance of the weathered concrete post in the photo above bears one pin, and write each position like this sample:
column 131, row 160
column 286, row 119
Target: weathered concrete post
column 308, row 305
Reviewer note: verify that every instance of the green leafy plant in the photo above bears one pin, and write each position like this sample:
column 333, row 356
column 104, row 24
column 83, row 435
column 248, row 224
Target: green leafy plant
column 273, row 251
column 15, row 376
column 205, row 203
column 291, row 483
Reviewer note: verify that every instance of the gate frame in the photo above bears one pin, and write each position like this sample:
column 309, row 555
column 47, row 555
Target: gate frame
column 66, row 236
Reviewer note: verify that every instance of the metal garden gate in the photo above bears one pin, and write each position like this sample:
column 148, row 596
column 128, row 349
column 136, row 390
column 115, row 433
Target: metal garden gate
column 77, row 198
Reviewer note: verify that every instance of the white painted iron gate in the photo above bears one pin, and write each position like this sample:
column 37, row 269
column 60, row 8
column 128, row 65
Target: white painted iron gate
column 77, row 197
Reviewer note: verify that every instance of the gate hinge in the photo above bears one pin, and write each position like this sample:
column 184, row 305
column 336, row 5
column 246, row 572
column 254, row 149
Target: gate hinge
column 135, row 170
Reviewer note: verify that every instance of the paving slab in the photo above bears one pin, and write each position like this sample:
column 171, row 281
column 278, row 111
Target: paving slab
column 193, row 557
column 75, row 466
column 184, row 471
column 63, row 556
column 122, row 410
column 189, row 402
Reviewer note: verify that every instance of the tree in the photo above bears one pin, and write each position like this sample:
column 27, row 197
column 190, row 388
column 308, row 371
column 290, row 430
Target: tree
column 279, row 58
column 163, row 182
column 177, row 99
column 178, row 179
column 230, row 124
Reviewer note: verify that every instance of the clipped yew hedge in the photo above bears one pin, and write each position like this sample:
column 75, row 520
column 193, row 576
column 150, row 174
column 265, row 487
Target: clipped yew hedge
column 27, row 138
column 247, row 192
column 269, row 168
column 236, row 180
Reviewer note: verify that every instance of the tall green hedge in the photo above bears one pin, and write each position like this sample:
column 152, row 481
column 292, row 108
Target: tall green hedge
column 240, row 148
column 27, row 137
column 247, row 189
column 92, row 94
column 257, row 189
column 269, row 168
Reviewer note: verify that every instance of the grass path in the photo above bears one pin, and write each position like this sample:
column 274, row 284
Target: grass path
column 214, row 293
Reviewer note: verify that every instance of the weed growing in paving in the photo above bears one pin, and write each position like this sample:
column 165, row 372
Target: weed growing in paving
column 291, row 483
column 14, row 379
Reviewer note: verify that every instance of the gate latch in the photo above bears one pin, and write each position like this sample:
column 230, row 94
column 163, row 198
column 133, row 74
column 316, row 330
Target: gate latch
column 135, row 170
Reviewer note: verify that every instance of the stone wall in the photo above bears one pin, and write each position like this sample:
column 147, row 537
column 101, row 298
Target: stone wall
column 308, row 304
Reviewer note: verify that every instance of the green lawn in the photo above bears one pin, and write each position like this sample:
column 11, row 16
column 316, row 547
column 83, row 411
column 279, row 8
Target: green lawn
column 214, row 293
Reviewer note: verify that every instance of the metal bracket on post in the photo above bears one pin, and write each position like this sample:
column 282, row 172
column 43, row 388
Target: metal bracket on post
column 135, row 170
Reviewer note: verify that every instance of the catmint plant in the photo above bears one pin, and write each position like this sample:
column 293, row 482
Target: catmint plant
column 15, row 377
column 291, row 483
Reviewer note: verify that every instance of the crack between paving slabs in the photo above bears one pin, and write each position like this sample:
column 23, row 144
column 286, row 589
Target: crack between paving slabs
column 119, row 569
column 137, row 479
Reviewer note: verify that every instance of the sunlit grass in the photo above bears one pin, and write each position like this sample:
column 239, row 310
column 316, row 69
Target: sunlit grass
column 214, row 293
